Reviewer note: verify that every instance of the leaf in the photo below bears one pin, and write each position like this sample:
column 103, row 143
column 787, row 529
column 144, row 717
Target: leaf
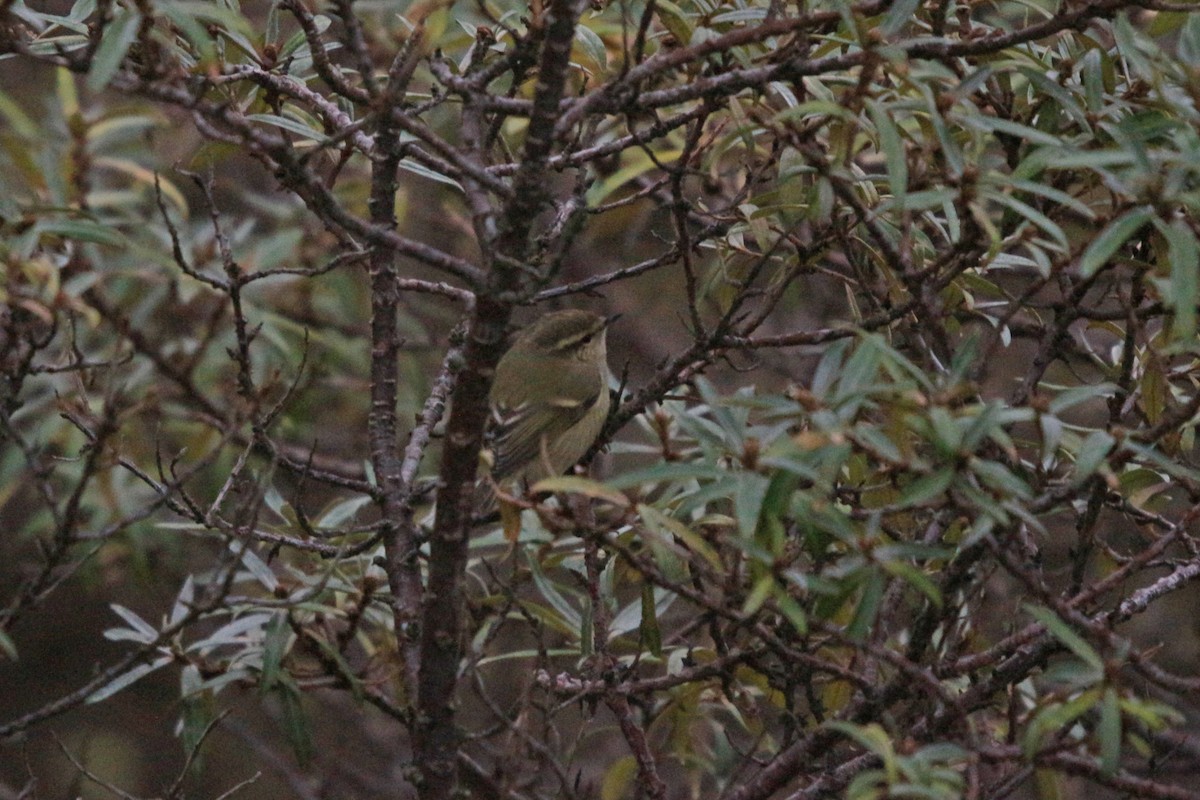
column 510, row 520
column 927, row 487
column 115, row 42
column 868, row 606
column 748, row 502
column 256, row 566
column 899, row 15
column 793, row 611
column 1054, row 195
column 860, row 371
column 275, row 647
column 295, row 720
column 292, row 125
column 1054, row 718
column 1069, row 398
column 692, row 540
column 659, row 537
column 81, row 231
column 916, row 578
column 416, row 168
column 1028, row 212
column 739, row 15
column 549, row 591
column 144, row 629
column 893, row 149
column 618, row 778
column 1066, row 636
column 573, row 484
column 183, row 602
column 1109, row 732
column 1092, row 453
column 999, row 477
column 8, row 646
column 759, row 593
column 667, row 472
column 16, row 119
column 342, row 512
column 126, row 679
column 1184, row 255
column 874, row 738
column 650, row 633
column 1012, row 128
column 592, row 45
column 1115, row 234
column 194, row 31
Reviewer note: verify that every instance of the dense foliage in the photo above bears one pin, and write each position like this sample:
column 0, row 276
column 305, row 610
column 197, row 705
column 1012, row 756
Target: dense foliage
column 897, row 497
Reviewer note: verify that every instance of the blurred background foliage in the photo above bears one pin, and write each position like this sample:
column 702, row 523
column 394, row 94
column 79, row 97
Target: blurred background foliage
column 900, row 492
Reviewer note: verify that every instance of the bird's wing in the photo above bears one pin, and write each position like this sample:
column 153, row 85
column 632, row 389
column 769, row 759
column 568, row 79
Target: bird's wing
column 517, row 432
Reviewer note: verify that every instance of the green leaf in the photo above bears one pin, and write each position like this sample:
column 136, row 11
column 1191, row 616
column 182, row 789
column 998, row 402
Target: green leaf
column 916, row 578
column 868, row 606
column 667, row 472
column 275, row 647
column 893, row 149
column 860, row 371
column 183, row 601
column 258, row 568
column 900, row 14
column 1001, row 478
column 81, row 230
column 927, row 487
column 692, row 540
column 675, row 20
column 126, row 679
column 1092, row 453
column 115, row 42
column 650, row 633
column 549, row 591
column 1069, row 398
column 1114, row 235
column 144, row 630
column 1012, row 128
column 1028, row 212
column 16, row 119
column 574, row 484
column 289, row 124
column 1066, row 635
column 748, row 503
column 295, row 720
column 874, row 738
column 829, row 368
column 618, row 778
column 1109, row 732
column 759, row 593
column 8, row 646
column 1184, row 255
column 1054, row 718
column 592, row 45
column 739, row 15
column 659, row 537
column 792, row 611
column 1054, row 195
column 987, row 420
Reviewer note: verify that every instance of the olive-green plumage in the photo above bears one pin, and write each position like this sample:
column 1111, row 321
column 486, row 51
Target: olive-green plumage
column 549, row 398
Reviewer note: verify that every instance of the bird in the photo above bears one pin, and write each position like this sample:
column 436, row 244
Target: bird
column 549, row 400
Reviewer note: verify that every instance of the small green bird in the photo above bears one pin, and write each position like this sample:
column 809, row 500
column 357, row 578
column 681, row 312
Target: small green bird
column 549, row 397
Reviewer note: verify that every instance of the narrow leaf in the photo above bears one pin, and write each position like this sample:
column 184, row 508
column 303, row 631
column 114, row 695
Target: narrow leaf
column 1115, row 234
column 115, row 42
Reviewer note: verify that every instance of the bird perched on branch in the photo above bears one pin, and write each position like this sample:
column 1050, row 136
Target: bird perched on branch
column 549, row 399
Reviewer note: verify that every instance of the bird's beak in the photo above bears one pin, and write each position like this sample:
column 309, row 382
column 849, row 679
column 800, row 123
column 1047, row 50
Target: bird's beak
column 611, row 318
